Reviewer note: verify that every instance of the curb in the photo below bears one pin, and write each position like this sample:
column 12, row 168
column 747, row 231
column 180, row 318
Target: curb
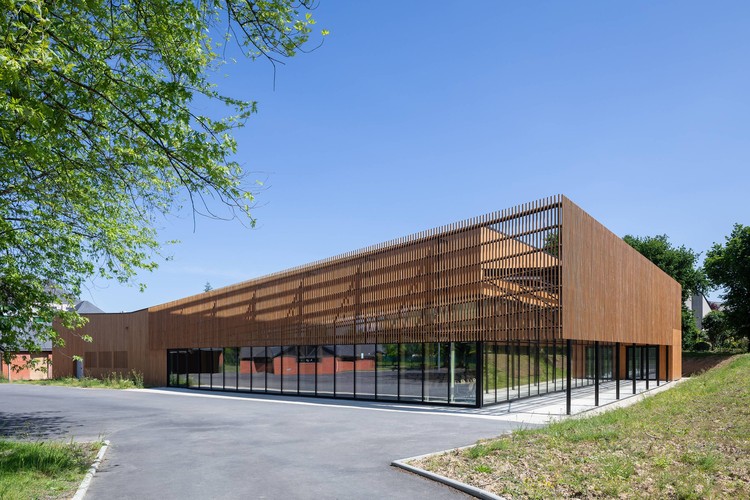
column 466, row 488
column 84, row 486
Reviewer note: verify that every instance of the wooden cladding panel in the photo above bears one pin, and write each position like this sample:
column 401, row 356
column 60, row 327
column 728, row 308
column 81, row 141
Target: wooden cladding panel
column 610, row 291
column 492, row 277
column 119, row 343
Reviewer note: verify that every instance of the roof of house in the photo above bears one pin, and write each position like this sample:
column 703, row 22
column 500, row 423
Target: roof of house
column 86, row 307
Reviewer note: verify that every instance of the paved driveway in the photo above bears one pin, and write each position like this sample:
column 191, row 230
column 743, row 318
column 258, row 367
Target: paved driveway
column 186, row 444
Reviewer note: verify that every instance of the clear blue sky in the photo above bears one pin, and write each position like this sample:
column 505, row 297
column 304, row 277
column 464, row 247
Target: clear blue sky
column 417, row 114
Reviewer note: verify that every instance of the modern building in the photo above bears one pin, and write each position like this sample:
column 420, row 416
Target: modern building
column 512, row 304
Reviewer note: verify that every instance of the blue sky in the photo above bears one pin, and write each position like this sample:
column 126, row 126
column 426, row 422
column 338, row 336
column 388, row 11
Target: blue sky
column 417, row 114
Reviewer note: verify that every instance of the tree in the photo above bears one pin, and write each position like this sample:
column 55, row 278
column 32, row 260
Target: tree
column 681, row 264
column 98, row 138
column 207, row 287
column 728, row 267
column 717, row 329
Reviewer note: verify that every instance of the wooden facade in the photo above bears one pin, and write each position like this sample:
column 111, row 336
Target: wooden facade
column 614, row 294
column 540, row 272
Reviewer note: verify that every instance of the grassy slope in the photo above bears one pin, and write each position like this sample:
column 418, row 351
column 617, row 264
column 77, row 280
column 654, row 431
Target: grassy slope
column 692, row 441
column 43, row 470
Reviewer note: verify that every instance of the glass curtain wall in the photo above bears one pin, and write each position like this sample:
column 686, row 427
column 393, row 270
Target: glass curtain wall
column 645, row 362
column 438, row 372
column 519, row 369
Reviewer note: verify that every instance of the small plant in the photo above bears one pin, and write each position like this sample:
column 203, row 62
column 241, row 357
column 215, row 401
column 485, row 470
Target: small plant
column 485, row 469
column 113, row 380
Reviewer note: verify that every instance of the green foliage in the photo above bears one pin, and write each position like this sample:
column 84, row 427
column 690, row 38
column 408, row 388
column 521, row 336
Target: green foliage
column 552, row 243
column 690, row 332
column 681, row 264
column 678, row 262
column 728, row 267
column 115, row 380
column 98, row 138
column 717, row 330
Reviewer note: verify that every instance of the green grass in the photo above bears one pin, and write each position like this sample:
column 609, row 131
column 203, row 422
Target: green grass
column 43, row 469
column 692, row 441
column 132, row 380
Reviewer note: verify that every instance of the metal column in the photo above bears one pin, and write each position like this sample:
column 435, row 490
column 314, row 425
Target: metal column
column 617, row 370
column 596, row 373
column 569, row 367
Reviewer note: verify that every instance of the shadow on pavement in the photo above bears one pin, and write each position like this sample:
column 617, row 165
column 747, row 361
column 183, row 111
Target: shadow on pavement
column 36, row 425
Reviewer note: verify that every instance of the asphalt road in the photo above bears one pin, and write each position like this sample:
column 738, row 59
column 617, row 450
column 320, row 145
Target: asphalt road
column 191, row 445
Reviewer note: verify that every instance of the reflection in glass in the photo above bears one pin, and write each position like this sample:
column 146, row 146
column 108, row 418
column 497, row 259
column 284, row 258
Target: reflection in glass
column 204, row 377
column 230, row 361
column 273, row 375
column 345, row 371
column 326, row 370
column 464, row 361
column 289, row 369
column 410, row 376
column 364, row 374
column 216, row 367
column 387, row 365
column 307, row 366
column 259, row 364
column 244, row 380
column 194, row 367
column 436, row 371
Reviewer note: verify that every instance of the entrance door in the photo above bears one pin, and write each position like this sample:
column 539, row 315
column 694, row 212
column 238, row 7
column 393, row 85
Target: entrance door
column 177, row 363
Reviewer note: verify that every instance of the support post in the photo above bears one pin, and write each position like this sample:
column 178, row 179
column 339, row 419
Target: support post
column 658, row 364
column 617, row 370
column 633, row 363
column 648, row 372
column 596, row 373
column 569, row 367
column 480, row 371
column 667, row 370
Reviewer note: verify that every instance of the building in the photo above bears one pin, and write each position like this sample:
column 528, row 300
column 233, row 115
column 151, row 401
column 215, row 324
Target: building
column 516, row 303
column 700, row 307
column 37, row 365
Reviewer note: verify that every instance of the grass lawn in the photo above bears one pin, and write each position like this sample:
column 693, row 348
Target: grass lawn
column 692, row 441
column 131, row 380
column 43, row 470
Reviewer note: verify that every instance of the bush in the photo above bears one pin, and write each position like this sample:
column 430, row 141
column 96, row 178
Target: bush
column 702, row 345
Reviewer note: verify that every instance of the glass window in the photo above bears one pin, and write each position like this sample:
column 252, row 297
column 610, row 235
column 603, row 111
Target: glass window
column 410, row 376
column 326, row 370
column 345, row 371
column 259, row 365
column 307, row 366
column 194, row 367
column 490, row 367
column 204, row 377
column 230, row 361
column 289, row 369
column 387, row 365
column 273, row 375
column 216, row 364
column 464, row 363
column 245, row 367
column 364, row 374
column 436, row 371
